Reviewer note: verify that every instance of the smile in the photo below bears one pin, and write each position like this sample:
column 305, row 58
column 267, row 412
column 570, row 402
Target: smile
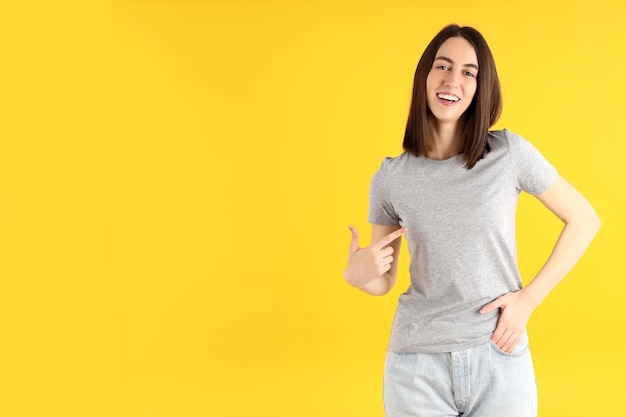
column 448, row 97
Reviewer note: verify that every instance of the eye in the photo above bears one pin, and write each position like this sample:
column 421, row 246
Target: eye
column 470, row 74
column 443, row 67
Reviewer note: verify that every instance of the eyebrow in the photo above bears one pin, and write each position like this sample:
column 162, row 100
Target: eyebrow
column 445, row 58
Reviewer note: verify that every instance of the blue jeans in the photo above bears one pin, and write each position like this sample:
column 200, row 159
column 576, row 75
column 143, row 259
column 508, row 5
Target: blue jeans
column 481, row 381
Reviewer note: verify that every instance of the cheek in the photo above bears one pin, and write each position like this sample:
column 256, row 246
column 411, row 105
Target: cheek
column 431, row 81
column 470, row 90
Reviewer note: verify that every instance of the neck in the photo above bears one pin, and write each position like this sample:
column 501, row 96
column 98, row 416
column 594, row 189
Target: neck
column 447, row 141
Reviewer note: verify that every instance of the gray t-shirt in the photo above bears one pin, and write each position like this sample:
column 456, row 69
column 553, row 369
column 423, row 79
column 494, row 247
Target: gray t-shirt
column 461, row 235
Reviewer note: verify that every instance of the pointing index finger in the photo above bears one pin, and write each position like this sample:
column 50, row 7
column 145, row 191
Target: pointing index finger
column 390, row 238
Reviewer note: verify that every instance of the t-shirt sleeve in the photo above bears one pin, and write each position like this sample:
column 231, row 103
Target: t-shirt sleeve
column 381, row 210
column 533, row 173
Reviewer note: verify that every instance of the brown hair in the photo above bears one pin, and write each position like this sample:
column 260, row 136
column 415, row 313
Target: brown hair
column 482, row 113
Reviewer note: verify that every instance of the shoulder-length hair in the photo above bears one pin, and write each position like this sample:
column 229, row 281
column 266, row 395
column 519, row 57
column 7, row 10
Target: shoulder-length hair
column 482, row 113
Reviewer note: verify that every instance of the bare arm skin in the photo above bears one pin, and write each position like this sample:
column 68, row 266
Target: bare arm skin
column 581, row 223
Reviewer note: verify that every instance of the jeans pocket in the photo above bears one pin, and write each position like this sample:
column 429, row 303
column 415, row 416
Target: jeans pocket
column 521, row 349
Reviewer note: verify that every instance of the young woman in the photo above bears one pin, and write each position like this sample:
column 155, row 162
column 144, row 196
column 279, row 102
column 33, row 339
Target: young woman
column 458, row 342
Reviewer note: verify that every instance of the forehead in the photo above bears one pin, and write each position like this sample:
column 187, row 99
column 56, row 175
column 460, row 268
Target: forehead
column 459, row 50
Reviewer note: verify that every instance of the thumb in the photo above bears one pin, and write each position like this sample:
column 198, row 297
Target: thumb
column 354, row 244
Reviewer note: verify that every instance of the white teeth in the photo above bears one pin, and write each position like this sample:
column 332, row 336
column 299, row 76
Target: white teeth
column 449, row 97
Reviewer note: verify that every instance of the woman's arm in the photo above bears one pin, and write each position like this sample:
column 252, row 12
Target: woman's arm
column 373, row 269
column 581, row 225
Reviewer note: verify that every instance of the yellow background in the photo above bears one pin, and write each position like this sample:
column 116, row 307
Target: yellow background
column 177, row 178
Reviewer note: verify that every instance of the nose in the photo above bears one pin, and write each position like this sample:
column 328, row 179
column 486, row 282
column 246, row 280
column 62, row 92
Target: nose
column 451, row 79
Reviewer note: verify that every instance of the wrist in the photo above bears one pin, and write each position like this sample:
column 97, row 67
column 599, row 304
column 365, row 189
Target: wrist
column 531, row 296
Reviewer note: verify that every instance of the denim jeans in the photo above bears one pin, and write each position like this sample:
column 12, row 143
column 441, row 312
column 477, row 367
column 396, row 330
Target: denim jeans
column 481, row 381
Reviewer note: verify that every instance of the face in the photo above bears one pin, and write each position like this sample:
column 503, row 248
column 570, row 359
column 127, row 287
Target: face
column 451, row 82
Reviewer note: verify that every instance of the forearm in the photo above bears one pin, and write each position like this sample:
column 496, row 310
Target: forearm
column 569, row 248
column 378, row 286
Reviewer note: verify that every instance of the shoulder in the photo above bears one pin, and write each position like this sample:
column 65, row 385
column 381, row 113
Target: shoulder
column 504, row 138
column 396, row 163
column 509, row 143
